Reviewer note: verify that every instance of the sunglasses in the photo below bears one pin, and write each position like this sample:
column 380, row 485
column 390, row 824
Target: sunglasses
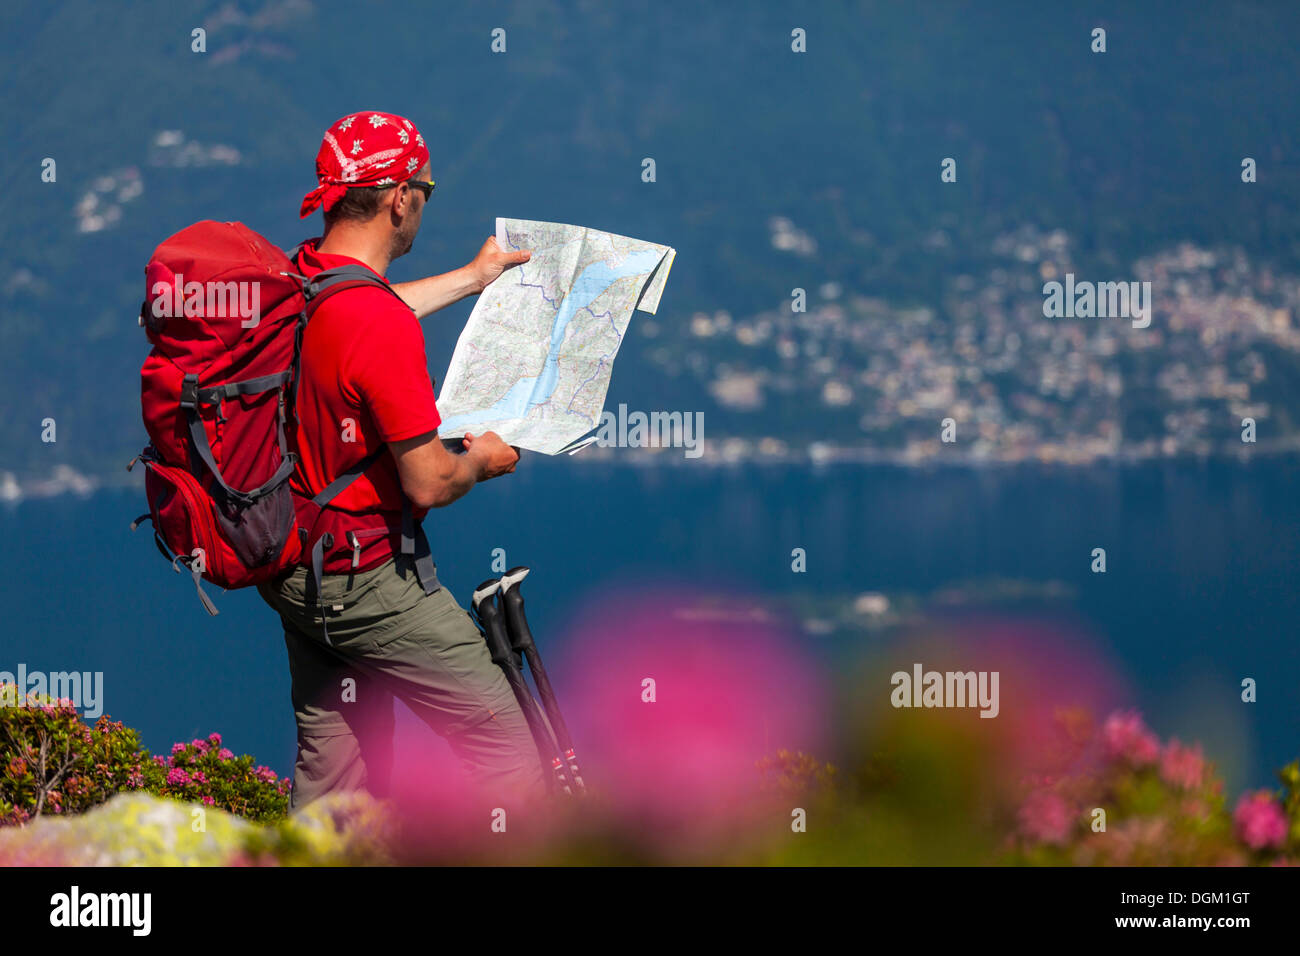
column 424, row 187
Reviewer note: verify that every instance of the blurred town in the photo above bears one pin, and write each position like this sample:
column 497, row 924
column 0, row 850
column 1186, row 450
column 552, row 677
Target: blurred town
column 860, row 378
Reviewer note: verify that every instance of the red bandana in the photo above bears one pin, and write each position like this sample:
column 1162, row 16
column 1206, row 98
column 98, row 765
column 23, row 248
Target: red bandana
column 364, row 149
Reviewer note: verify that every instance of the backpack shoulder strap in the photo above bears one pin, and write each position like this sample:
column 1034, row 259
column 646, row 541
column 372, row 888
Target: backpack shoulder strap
column 325, row 284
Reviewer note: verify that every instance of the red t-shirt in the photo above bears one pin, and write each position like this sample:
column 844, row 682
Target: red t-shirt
column 363, row 381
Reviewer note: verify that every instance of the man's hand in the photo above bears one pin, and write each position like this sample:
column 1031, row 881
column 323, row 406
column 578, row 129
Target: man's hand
column 494, row 456
column 491, row 261
column 428, row 295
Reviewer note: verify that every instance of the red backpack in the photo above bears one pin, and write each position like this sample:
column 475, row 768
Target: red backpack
column 225, row 311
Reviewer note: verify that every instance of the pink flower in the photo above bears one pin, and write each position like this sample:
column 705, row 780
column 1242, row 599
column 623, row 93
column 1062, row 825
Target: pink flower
column 177, row 748
column 265, row 774
column 1182, row 766
column 209, row 801
column 1127, row 738
column 214, row 739
column 177, row 777
column 1045, row 817
column 223, row 753
column 1260, row 820
column 197, row 777
column 160, row 760
column 199, row 744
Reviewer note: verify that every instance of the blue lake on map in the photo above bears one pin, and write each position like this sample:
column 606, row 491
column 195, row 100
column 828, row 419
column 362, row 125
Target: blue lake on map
column 529, row 392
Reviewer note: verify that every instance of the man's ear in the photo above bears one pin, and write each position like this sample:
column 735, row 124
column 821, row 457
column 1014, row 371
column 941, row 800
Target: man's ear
column 400, row 201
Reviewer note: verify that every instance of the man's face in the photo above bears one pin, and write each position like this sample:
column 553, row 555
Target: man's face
column 410, row 224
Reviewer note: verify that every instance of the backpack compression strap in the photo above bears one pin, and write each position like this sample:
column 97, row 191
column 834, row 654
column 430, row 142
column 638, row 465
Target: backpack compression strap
column 192, row 397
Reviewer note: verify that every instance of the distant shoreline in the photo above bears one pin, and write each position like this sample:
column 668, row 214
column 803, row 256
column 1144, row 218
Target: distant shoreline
column 64, row 481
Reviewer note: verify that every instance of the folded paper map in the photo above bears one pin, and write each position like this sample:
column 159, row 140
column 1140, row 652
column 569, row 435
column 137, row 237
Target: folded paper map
column 534, row 361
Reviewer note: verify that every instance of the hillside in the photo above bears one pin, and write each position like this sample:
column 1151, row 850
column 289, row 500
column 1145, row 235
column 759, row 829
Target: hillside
column 775, row 170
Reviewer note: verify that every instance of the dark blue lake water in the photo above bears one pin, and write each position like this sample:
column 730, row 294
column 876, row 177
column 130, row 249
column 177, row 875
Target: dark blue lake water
column 1199, row 591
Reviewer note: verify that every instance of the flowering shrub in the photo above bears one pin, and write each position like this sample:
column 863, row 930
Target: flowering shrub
column 203, row 771
column 52, row 762
column 794, row 773
column 1120, row 796
column 915, row 789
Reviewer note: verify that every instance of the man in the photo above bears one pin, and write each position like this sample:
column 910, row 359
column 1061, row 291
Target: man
column 380, row 626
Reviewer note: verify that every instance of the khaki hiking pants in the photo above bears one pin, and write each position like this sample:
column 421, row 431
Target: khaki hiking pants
column 394, row 641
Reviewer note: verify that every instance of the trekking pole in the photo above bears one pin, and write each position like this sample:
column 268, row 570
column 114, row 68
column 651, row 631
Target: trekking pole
column 489, row 619
column 521, row 641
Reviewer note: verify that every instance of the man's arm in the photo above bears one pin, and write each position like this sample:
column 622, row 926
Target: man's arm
column 432, row 293
column 433, row 477
column 428, row 295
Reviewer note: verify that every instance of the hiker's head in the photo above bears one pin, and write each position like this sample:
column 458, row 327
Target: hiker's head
column 371, row 173
column 395, row 209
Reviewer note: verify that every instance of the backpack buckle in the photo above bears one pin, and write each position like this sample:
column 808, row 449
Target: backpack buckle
column 356, row 549
column 190, row 392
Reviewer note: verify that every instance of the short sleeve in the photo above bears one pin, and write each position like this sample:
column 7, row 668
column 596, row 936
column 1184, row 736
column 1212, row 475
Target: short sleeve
column 389, row 371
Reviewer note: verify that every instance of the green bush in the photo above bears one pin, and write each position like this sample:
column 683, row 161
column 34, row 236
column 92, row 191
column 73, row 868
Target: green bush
column 52, row 762
column 906, row 792
column 203, row 771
